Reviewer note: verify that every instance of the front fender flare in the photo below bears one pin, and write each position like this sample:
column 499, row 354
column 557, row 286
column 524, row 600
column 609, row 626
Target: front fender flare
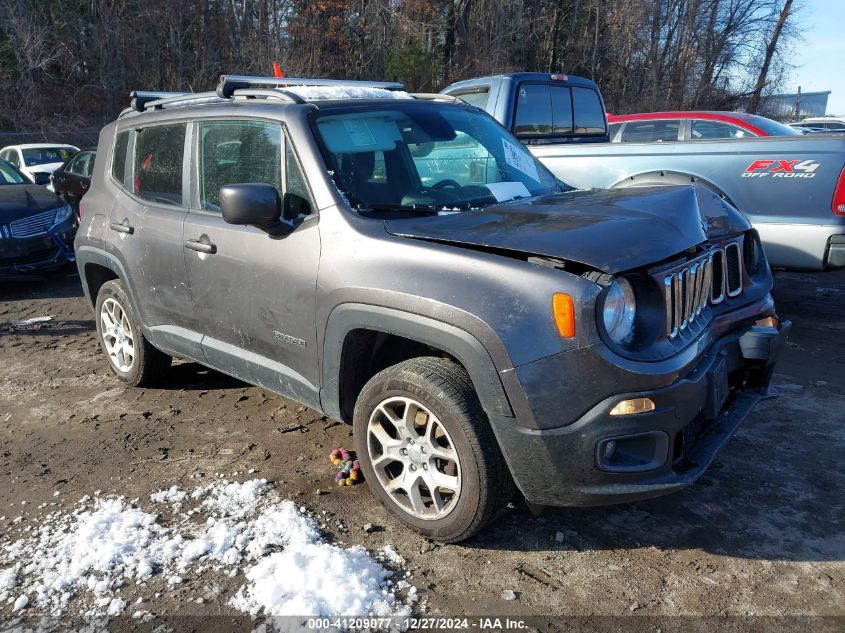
column 455, row 341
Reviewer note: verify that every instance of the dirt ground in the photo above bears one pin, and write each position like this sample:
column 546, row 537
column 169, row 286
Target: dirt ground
column 762, row 533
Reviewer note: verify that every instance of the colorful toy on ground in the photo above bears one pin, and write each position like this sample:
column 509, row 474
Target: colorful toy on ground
column 348, row 469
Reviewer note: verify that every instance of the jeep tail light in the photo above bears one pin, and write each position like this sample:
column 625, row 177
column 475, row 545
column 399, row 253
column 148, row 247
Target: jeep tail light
column 563, row 310
column 838, row 205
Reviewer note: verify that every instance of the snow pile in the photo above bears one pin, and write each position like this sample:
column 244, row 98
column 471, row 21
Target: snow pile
column 231, row 499
column 90, row 550
column 349, row 581
column 171, row 495
column 316, row 93
column 85, row 559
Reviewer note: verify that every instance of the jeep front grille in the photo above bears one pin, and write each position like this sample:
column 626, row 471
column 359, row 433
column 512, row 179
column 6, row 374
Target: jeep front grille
column 688, row 289
column 36, row 224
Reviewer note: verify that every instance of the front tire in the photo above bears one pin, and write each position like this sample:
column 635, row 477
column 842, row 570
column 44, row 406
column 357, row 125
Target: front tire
column 131, row 357
column 427, row 450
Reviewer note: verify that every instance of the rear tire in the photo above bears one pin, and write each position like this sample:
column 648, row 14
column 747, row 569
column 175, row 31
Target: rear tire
column 131, row 357
column 427, row 450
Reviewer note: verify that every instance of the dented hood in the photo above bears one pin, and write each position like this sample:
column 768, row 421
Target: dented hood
column 611, row 230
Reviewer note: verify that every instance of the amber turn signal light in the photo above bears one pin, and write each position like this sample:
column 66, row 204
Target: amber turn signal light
column 563, row 310
column 632, row 407
column 769, row 321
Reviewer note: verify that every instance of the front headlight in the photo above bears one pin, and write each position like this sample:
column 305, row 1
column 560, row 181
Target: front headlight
column 619, row 312
column 63, row 213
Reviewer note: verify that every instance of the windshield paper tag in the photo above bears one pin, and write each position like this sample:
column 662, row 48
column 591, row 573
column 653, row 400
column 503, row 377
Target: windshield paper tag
column 504, row 191
column 519, row 159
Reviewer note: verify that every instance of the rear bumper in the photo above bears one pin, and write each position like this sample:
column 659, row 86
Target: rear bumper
column 602, row 459
column 43, row 252
column 803, row 246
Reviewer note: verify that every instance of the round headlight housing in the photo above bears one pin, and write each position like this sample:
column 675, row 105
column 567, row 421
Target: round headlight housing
column 619, row 312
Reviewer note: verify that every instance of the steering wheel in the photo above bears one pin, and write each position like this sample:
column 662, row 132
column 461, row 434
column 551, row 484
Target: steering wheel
column 448, row 182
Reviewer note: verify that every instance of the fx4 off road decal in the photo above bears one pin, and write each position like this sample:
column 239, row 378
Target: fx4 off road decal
column 776, row 168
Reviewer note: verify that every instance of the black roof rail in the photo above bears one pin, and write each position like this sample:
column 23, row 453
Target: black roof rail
column 140, row 98
column 229, row 83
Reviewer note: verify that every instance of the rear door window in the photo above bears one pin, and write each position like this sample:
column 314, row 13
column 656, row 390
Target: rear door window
column 650, row 131
column 159, row 157
column 79, row 164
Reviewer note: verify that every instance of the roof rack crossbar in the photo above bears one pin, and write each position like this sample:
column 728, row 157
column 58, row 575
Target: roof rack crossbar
column 229, row 83
column 140, row 98
column 267, row 94
column 191, row 98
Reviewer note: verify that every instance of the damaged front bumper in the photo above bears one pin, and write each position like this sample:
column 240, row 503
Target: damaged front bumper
column 602, row 459
column 46, row 251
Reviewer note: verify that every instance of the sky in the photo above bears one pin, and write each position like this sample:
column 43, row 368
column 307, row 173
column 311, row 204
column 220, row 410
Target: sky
column 819, row 57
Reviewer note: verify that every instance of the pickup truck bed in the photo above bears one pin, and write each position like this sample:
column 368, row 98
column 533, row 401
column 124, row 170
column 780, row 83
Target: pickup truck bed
column 784, row 185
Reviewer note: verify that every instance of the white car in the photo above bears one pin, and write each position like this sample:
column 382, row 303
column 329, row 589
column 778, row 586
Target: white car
column 38, row 160
column 823, row 123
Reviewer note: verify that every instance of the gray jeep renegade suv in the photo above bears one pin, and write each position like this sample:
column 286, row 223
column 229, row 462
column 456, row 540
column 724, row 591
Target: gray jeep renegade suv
column 401, row 263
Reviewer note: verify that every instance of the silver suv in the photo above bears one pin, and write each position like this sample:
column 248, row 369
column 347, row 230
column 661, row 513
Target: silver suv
column 403, row 264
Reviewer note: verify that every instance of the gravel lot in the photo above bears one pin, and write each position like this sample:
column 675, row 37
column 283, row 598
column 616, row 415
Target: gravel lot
column 762, row 533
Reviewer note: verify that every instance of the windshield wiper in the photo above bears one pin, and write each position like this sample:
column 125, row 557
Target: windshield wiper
column 396, row 208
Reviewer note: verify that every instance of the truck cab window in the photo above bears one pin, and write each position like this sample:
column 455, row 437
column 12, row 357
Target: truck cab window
column 589, row 113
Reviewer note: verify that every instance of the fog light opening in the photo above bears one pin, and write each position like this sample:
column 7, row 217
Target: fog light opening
column 633, row 406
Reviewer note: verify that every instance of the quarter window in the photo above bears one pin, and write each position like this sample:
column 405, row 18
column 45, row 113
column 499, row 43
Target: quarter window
column 297, row 199
column 118, row 165
column 703, row 130
column 476, row 98
column 232, row 152
column 159, row 154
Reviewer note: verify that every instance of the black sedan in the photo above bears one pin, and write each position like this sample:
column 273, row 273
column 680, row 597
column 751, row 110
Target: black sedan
column 36, row 226
column 73, row 178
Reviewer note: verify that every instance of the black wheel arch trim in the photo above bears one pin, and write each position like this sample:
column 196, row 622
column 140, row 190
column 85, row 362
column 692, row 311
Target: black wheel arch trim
column 91, row 255
column 465, row 347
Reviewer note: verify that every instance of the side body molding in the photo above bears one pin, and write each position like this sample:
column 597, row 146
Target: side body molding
column 457, row 342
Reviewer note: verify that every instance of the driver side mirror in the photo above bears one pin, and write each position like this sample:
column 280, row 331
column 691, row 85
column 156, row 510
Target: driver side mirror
column 253, row 204
column 41, row 178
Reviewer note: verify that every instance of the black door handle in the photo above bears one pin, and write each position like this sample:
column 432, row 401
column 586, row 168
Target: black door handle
column 120, row 227
column 201, row 247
